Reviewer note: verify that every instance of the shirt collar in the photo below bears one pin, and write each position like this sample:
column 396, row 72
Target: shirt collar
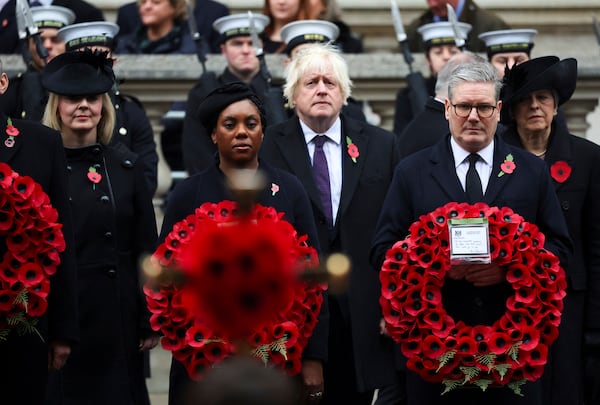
column 486, row 154
column 334, row 133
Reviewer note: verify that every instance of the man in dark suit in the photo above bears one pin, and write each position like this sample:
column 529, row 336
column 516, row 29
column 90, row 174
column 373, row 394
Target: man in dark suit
column 474, row 293
column 430, row 125
column 38, row 152
column 345, row 166
column 467, row 11
column 205, row 12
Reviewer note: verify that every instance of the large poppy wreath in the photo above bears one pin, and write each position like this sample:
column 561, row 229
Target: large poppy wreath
column 33, row 240
column 511, row 351
column 240, row 289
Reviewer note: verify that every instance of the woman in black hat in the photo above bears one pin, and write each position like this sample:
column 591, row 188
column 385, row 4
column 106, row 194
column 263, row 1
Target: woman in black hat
column 114, row 224
column 533, row 92
column 234, row 117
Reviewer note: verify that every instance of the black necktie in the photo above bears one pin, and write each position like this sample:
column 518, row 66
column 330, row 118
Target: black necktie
column 321, row 173
column 473, row 183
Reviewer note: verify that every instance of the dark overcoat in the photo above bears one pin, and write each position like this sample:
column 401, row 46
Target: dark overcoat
column 114, row 226
column 426, row 129
column 38, row 153
column 427, row 180
column 364, row 186
column 578, row 195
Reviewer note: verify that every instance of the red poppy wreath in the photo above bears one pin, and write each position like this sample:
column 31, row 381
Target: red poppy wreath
column 33, row 240
column 511, row 351
column 240, row 290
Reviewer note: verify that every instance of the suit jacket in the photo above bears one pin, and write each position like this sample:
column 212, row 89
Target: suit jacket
column 480, row 19
column 38, row 153
column 205, row 12
column 363, row 188
column 427, row 180
column 426, row 128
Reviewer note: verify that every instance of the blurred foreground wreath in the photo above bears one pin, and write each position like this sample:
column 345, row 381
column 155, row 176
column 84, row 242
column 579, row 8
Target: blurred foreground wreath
column 239, row 289
column 33, row 240
column 511, row 351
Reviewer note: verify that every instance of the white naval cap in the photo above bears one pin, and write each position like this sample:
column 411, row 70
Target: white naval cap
column 96, row 33
column 442, row 33
column 517, row 40
column 52, row 16
column 239, row 24
column 308, row 31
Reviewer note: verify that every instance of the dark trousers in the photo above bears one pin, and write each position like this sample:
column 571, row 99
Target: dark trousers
column 340, row 375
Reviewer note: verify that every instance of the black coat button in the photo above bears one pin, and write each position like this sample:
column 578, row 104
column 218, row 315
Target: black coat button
column 565, row 205
column 478, row 302
column 105, row 199
column 127, row 163
column 69, row 168
column 112, row 273
column 96, row 150
column 108, row 235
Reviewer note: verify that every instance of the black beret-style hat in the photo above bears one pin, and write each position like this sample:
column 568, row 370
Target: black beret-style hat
column 544, row 73
column 220, row 98
column 79, row 73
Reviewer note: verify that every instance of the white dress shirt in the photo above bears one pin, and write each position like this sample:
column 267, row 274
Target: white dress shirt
column 483, row 165
column 333, row 152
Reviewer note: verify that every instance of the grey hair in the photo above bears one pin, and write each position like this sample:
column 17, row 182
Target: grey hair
column 317, row 57
column 475, row 72
column 443, row 76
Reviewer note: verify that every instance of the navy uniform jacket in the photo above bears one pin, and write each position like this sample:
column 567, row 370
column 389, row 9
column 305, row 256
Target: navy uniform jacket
column 480, row 19
column 363, row 189
column 578, row 197
column 209, row 186
column 427, row 180
column 426, row 129
column 38, row 153
column 205, row 12
column 404, row 111
column 133, row 129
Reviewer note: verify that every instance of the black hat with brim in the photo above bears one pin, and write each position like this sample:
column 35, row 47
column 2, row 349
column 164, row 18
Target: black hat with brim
column 545, row 73
column 220, row 98
column 79, row 73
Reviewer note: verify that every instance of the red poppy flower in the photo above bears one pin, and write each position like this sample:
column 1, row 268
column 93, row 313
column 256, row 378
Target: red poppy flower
column 353, row 151
column 433, row 347
column 11, row 130
column 93, row 175
column 560, row 171
column 508, row 166
column 31, row 274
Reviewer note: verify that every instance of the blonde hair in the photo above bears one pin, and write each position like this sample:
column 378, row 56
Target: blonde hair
column 106, row 125
column 317, row 57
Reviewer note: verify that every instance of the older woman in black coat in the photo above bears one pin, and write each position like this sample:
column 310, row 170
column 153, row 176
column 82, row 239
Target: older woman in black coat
column 114, row 225
column 234, row 117
column 533, row 92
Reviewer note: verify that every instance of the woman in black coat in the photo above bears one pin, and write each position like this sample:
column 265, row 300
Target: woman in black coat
column 114, row 225
column 235, row 118
column 533, row 92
